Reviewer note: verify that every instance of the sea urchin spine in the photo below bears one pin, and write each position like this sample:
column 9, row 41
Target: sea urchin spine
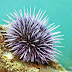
column 30, row 38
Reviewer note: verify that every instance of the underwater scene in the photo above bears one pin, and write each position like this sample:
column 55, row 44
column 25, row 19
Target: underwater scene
column 35, row 36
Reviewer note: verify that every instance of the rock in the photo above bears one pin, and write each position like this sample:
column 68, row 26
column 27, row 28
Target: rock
column 14, row 64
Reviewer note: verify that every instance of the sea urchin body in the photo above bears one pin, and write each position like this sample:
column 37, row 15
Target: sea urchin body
column 29, row 38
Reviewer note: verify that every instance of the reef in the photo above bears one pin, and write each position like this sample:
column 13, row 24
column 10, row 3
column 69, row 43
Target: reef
column 10, row 63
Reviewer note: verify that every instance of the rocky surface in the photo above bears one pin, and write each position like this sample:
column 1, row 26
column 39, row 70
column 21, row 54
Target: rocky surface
column 10, row 63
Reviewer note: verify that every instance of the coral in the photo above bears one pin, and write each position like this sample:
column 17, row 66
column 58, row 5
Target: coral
column 28, row 37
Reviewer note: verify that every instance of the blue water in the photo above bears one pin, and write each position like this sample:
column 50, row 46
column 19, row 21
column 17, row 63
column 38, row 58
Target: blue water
column 59, row 11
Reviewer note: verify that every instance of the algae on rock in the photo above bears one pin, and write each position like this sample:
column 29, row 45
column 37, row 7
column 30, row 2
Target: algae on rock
column 14, row 64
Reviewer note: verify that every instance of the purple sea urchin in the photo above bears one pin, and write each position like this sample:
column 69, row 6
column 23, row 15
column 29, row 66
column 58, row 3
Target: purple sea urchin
column 29, row 37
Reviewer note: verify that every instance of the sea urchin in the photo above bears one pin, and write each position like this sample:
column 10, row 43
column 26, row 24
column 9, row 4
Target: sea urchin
column 30, row 38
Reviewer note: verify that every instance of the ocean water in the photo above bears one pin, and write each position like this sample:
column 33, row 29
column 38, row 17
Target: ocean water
column 59, row 12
